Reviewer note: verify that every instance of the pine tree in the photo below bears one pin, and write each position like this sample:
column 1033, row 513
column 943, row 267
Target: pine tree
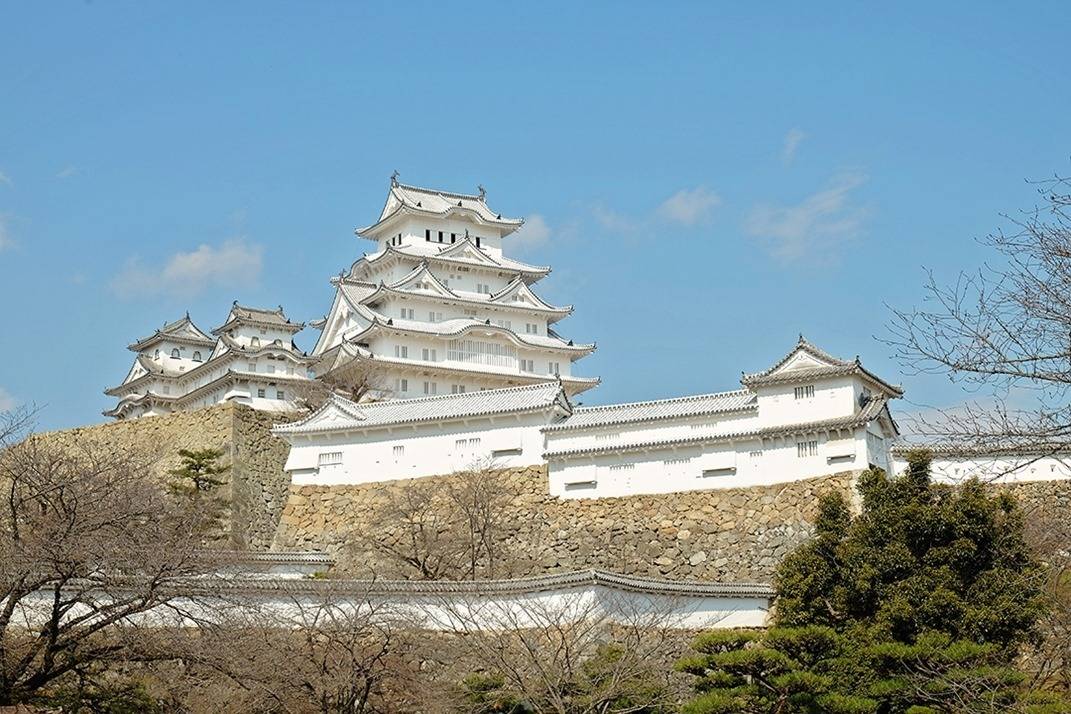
column 918, row 604
column 200, row 471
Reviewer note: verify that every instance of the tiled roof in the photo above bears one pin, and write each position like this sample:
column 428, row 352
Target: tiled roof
column 657, row 410
column 511, row 400
column 181, row 330
column 534, row 584
column 831, row 367
column 434, row 252
column 871, row 411
column 431, row 201
column 460, row 325
column 258, row 316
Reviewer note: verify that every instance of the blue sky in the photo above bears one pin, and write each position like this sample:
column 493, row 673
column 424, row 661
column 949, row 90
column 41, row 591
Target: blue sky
column 708, row 180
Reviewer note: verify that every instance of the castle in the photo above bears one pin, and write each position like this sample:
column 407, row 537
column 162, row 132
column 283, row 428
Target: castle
column 460, row 361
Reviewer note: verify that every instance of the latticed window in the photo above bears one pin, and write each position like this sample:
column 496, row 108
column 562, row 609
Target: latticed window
column 330, row 458
column 806, row 448
column 479, row 352
column 805, row 392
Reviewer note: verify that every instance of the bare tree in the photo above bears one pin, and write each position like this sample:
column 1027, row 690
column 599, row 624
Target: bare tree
column 330, row 652
column 573, row 654
column 445, row 527
column 1005, row 327
column 1008, row 327
column 87, row 544
column 358, row 380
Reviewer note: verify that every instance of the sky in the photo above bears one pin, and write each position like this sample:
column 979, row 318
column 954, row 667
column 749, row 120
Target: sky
column 708, row 180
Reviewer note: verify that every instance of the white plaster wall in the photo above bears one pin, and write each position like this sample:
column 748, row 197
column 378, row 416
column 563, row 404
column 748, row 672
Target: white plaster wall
column 450, row 611
column 995, row 469
column 832, row 398
column 703, row 467
column 427, row 449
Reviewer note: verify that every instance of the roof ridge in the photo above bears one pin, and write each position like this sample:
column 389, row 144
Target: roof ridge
column 686, row 398
column 474, row 393
column 454, row 194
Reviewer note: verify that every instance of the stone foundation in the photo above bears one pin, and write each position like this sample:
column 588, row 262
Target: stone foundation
column 724, row 535
column 257, row 485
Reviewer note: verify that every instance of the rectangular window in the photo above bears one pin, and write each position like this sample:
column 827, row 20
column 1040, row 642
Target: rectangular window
column 280, row 395
column 726, row 471
column 508, row 324
column 407, row 313
column 805, row 392
column 453, row 237
column 478, row 352
column 252, row 366
column 166, row 389
column 757, row 454
column 531, row 328
column 401, row 385
column 500, row 453
column 527, row 365
column 470, row 313
column 435, row 316
column 457, row 388
column 622, row 467
column 260, row 393
column 401, row 351
column 431, row 388
column 330, row 458
column 440, row 236
column 477, row 241
column 806, row 448
column 483, row 288
column 554, row 368
column 682, row 460
column 399, row 451
column 427, row 234
column 271, row 369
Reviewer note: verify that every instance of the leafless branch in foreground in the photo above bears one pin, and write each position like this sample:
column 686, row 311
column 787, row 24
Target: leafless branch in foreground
column 1006, row 327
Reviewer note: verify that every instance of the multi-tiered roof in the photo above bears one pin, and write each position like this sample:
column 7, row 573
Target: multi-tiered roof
column 424, row 236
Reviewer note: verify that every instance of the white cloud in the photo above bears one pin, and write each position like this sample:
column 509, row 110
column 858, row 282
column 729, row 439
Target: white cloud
column 689, row 206
column 814, row 228
column 67, row 172
column 793, row 139
column 234, row 263
column 5, row 179
column 7, row 402
column 535, row 232
column 6, row 241
column 614, row 221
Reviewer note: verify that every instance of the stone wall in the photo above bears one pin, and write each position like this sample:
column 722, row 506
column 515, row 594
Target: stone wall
column 257, row 484
column 726, row 535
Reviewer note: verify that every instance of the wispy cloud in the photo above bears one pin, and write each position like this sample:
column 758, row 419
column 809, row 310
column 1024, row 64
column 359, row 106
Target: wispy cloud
column 813, row 229
column 614, row 221
column 5, row 179
column 7, row 402
column 535, row 232
column 689, row 206
column 793, row 139
column 6, row 241
column 233, row 263
column 67, row 172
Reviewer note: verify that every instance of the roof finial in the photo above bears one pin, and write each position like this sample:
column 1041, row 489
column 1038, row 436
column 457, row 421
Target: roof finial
column 466, row 234
column 482, row 190
column 394, row 178
column 802, row 339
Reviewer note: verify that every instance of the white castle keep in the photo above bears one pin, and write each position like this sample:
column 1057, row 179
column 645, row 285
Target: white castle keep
column 252, row 359
column 463, row 363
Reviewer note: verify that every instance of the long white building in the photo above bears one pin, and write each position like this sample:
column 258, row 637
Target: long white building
column 810, row 414
column 438, row 308
column 250, row 359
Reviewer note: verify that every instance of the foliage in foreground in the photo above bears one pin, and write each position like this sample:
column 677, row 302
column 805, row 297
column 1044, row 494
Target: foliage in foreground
column 919, row 604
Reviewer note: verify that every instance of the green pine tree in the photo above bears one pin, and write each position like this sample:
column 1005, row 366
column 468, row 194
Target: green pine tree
column 200, row 471
column 918, row 604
